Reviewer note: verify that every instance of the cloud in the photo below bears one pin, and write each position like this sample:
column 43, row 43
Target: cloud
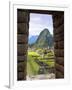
column 35, row 19
column 38, row 22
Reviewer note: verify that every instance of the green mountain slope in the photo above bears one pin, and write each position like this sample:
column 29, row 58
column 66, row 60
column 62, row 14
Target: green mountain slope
column 45, row 39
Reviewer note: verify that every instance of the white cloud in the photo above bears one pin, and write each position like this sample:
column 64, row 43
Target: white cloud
column 35, row 18
column 38, row 22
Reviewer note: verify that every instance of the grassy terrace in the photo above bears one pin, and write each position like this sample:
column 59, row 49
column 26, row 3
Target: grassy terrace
column 32, row 66
column 33, row 56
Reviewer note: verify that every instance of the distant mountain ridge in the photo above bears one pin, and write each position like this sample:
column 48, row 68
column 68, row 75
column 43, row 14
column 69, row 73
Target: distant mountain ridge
column 32, row 39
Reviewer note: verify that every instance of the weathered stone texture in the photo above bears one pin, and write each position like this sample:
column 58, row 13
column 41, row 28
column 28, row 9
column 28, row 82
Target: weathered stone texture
column 58, row 23
column 22, row 43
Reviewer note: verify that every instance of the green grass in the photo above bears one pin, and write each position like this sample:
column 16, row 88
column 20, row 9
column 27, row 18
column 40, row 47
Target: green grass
column 49, row 62
column 32, row 66
column 32, row 53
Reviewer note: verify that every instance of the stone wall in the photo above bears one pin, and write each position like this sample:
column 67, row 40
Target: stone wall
column 58, row 22
column 22, row 43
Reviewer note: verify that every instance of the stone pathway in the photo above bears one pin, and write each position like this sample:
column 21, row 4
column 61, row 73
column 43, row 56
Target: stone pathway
column 41, row 77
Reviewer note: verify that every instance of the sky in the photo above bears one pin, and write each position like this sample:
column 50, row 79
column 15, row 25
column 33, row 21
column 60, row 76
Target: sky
column 38, row 22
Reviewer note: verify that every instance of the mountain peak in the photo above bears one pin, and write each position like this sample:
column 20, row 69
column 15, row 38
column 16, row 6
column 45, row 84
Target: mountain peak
column 45, row 39
column 45, row 31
